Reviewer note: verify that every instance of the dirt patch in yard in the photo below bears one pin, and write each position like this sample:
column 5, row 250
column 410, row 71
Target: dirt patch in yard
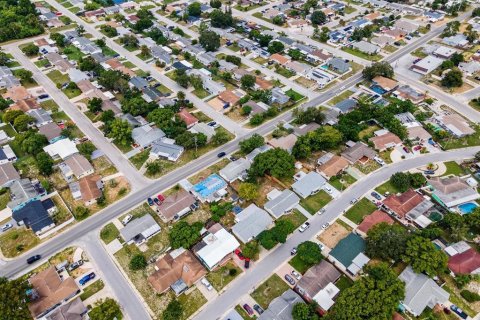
column 116, row 189
column 333, row 235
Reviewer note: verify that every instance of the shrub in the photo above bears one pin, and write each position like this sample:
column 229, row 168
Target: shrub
column 232, row 272
column 138, row 262
column 470, row 296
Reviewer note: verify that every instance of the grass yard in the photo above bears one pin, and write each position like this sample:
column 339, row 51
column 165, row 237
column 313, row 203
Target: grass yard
column 299, row 264
column 129, row 64
column 296, row 217
column 4, row 199
column 123, row 148
column 17, row 241
column 389, row 48
column 360, row 54
column 72, row 93
column 92, row 289
column 57, row 77
column 349, row 10
column 139, row 159
column 344, row 282
column 272, row 288
column 191, row 302
column 201, row 93
column 306, row 82
column 108, row 52
column 342, row 182
column 244, row 313
column 221, row 276
column 41, row 63
column 260, row 60
column 368, row 167
column 453, row 168
column 419, row 53
column 339, row 98
column 295, row 96
column 362, row 208
column 49, row 105
column 284, row 72
column 73, row 53
column 468, row 141
column 109, row 233
column 9, row 130
column 386, row 187
column 315, row 202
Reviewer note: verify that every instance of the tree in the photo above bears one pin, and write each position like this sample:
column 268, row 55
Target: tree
column 220, row 137
column 30, row 50
column 109, row 31
column 59, row 39
column 401, row 181
column 33, row 143
column 80, row 29
column 114, row 80
column 221, row 19
column 182, row 78
column 456, row 58
column 386, row 242
column 318, row 17
column 209, row 40
column 11, row 115
column 215, row 4
column 129, row 41
column 190, row 140
column 233, row 59
column 25, row 75
column 19, row 20
column 276, row 162
column 248, row 191
column 247, row 81
column 107, row 309
column 306, row 116
column 422, row 255
column 453, row 78
column 375, row 296
column 173, row 311
column 44, row 163
column 89, row 64
column 95, row 105
column 121, row 131
column 378, row 69
column 275, row 47
column 309, row 252
column 4, row 104
column 22, row 121
column 144, row 51
column 303, row 311
column 153, row 167
column 278, row 20
column 161, row 116
column 86, row 149
column 251, row 249
column 13, row 299
column 249, row 144
column 184, row 235
column 194, row 9
column 138, row 262
column 476, row 12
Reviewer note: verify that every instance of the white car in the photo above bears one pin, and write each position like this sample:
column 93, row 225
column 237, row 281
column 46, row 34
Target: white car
column 207, row 284
column 304, row 227
column 379, row 161
column 127, row 219
column 328, row 189
column 325, row 226
column 296, row 275
column 7, row 226
column 321, row 211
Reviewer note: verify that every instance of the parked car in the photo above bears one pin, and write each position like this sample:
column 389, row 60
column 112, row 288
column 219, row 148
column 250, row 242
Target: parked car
column 321, row 211
column 379, row 161
column 239, row 254
column 221, row 154
column 232, row 158
column 213, row 124
column 127, row 219
column 75, row 265
column 304, row 226
column 247, row 263
column 376, row 195
column 321, row 246
column 43, row 96
column 206, row 283
column 248, row 309
column 459, row 311
column 429, row 172
column 328, row 189
column 7, row 226
column 406, row 150
column 289, row 279
column 353, row 201
column 161, row 197
column 34, row 258
column 325, row 226
column 296, row 274
column 86, row 278
column 258, row 308
column 150, row 201
column 294, row 251
column 157, row 202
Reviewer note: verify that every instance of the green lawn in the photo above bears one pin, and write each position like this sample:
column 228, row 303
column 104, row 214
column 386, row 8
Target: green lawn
column 386, row 187
column 73, row 53
column 72, row 93
column 57, row 77
column 92, row 289
column 129, row 64
column 17, row 241
column 390, row 48
column 343, row 282
column 361, row 209
column 316, row 202
column 139, row 159
column 109, row 233
column 299, row 264
column 296, row 217
column 191, row 302
column 453, row 168
column 295, row 96
column 123, row 148
column 49, row 104
column 201, row 93
column 339, row 98
column 360, row 54
column 342, row 182
column 349, row 10
column 41, row 63
column 108, row 52
column 221, row 276
column 9, row 130
column 464, row 142
column 4, row 199
column 284, row 72
column 419, row 53
column 272, row 288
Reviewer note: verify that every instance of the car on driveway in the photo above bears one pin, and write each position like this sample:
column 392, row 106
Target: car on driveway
column 157, row 202
column 258, row 308
column 7, row 226
column 150, row 201
column 161, row 197
column 75, row 265
column 86, row 278
column 304, row 226
column 206, row 283
column 289, row 279
column 376, row 195
column 296, row 274
column 459, row 311
column 294, row 251
column 127, row 219
column 239, row 254
column 247, row 263
column 248, row 309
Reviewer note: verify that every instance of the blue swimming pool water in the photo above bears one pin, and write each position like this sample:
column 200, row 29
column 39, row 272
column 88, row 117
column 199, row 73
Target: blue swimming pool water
column 118, row 1
column 210, row 185
column 377, row 89
column 467, row 208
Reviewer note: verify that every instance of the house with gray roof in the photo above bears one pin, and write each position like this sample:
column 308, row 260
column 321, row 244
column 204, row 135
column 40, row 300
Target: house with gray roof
column 346, row 105
column 278, row 96
column 235, row 170
column 458, row 40
column 281, row 307
column 41, row 116
column 250, row 222
column 358, row 151
column 204, row 128
column 146, row 135
column 421, row 292
column 138, row 82
column 7, row 79
column 280, row 203
column 286, row 41
column 206, row 58
column 22, row 192
column 161, row 54
column 170, row 151
column 257, row 151
column 366, row 47
column 309, row 184
column 338, row 65
column 140, row 230
column 348, row 254
column 226, row 66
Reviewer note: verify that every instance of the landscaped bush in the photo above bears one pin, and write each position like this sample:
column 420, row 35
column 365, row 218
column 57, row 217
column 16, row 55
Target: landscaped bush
column 138, row 262
column 470, row 296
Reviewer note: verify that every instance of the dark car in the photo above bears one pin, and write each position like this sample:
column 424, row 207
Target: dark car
column 258, row 308
column 221, row 154
column 75, row 265
column 459, row 311
column 43, row 96
column 294, row 251
column 289, row 279
column 34, row 258
column 150, row 201
column 86, row 278
column 157, row 202
column 247, row 263
column 239, row 254
column 376, row 195
column 248, row 309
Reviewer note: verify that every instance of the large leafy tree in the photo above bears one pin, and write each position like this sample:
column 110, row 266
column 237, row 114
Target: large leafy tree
column 185, row 235
column 276, row 162
column 13, row 300
column 375, row 296
column 18, row 20
column 220, row 19
column 453, row 78
column 248, row 145
column 386, row 241
column 173, row 311
column 378, row 69
column 107, row 309
column 422, row 255
column 303, row 311
column 194, row 9
column 209, row 40
column 248, row 191
column 318, row 17
column 32, row 143
column 44, row 163
column 309, row 252
column 121, row 131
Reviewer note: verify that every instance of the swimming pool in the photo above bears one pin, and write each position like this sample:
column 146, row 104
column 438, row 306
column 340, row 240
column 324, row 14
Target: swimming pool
column 377, row 89
column 467, row 208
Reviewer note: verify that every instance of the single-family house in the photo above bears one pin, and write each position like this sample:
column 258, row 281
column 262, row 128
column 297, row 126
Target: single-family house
column 421, row 292
column 358, row 152
column 280, row 203
column 216, row 247
column 470, row 68
column 235, row 170
column 286, row 143
column 317, row 284
column 282, row 306
column 166, row 149
column 76, row 75
column 384, row 139
column 366, row 47
column 7, row 79
column 231, row 97
column 140, row 230
column 7, row 155
column 72, row 310
column 346, row 105
column 250, row 222
column 204, row 128
column 34, row 216
column 17, row 93
column 384, row 83
column 404, row 25
column 434, row 16
column 146, row 135
column 51, row 131
column 41, row 117
column 382, row 40
column 76, row 165
column 444, row 52
column 49, row 290
column 455, row 125
column 405, row 92
column 308, row 185
column 262, row 83
column 458, row 41
column 61, row 149
column 278, row 96
column 280, row 59
column 90, row 188
column 426, row 65
column 22, row 192
column 373, row 219
column 348, row 254
column 251, row 156
column 206, row 58
column 467, row 262
column 452, row 191
column 210, row 189
column 177, row 270
column 176, row 205
column 331, row 165
column 409, row 205
column 8, row 174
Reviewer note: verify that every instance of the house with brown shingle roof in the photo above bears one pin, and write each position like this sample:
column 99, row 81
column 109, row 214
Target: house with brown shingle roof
column 176, row 205
column 78, row 165
column 278, row 58
column 51, row 130
column 385, row 140
column 452, row 191
column 25, row 105
column 17, row 93
column 261, row 83
column 188, row 118
column 8, row 174
column 331, row 166
column 178, row 270
column 409, row 206
column 373, row 219
column 231, row 96
column 285, row 143
column 49, row 290
column 467, row 262
column 386, row 84
column 90, row 188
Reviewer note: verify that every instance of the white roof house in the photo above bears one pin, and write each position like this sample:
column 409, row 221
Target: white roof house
column 215, row 246
column 170, row 151
column 250, row 222
column 61, row 149
column 427, row 65
column 204, row 128
column 310, row 184
column 140, row 229
column 235, row 170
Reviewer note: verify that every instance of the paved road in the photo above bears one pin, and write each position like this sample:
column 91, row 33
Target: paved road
column 471, row 94
column 136, row 179
column 261, row 270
